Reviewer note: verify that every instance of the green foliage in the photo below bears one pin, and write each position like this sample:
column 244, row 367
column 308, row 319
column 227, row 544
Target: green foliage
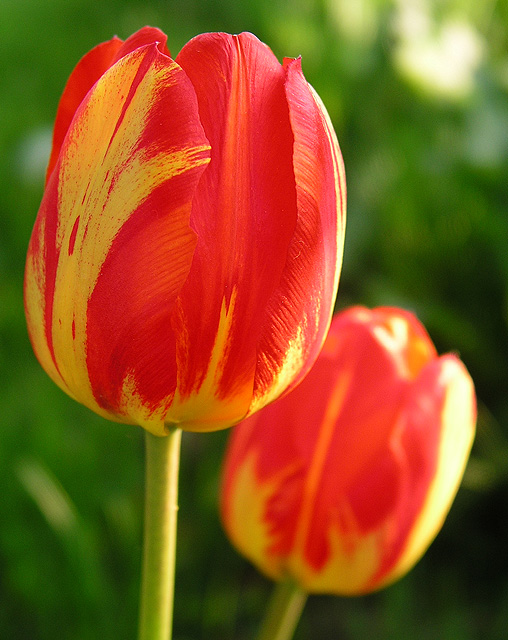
column 426, row 151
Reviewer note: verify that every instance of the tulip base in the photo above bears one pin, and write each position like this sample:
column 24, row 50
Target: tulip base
column 283, row 613
column 159, row 544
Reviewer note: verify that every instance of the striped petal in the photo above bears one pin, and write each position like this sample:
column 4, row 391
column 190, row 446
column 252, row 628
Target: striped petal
column 86, row 73
column 112, row 244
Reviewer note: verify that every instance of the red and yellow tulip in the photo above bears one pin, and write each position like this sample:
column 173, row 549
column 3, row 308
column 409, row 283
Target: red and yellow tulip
column 185, row 258
column 342, row 484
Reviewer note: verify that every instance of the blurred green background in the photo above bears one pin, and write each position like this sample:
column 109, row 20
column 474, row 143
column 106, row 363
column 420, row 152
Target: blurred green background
column 417, row 91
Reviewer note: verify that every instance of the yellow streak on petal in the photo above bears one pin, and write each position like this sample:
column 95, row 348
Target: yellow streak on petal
column 353, row 560
column 322, row 449
column 138, row 413
column 458, row 418
column 393, row 334
column 409, row 351
column 35, row 304
column 290, row 368
column 216, row 411
column 245, row 522
column 104, row 182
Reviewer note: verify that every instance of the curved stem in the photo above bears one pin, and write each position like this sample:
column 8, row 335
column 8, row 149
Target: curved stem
column 159, row 544
column 283, row 613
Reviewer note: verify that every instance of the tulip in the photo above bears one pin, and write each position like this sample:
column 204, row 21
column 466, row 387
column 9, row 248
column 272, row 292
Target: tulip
column 185, row 259
column 341, row 485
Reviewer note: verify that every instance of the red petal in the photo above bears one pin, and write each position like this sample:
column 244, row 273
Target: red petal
column 146, row 35
column 299, row 311
column 244, row 211
column 428, row 451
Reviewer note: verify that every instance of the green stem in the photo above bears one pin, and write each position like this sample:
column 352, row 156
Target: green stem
column 159, row 544
column 283, row 613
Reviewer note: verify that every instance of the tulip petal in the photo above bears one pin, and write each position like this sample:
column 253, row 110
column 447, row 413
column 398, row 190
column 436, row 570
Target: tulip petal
column 437, row 439
column 86, row 73
column 351, row 417
column 146, row 35
column 112, row 244
column 299, row 311
column 244, row 214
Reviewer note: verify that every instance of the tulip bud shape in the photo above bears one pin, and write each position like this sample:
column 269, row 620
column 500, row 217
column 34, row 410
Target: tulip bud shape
column 343, row 483
column 185, row 259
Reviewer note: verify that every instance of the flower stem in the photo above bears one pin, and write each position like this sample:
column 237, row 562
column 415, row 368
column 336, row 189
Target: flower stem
column 159, row 544
column 283, row 613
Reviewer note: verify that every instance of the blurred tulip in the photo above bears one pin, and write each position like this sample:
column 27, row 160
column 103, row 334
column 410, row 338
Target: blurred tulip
column 342, row 484
column 184, row 263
